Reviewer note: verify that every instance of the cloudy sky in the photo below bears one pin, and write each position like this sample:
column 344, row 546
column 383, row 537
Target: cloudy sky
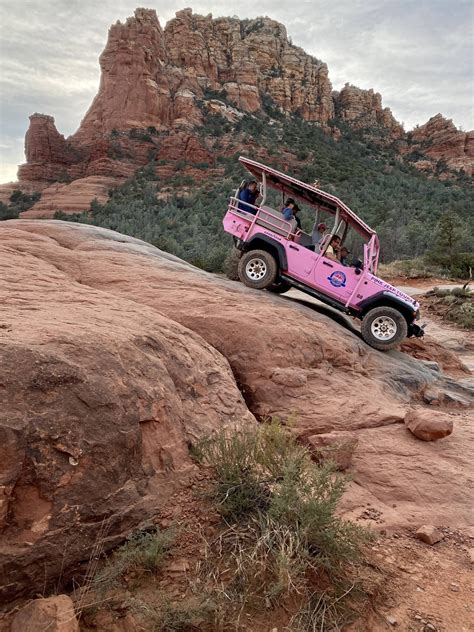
column 417, row 53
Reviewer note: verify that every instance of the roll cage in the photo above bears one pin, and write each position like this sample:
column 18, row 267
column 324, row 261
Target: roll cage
column 344, row 217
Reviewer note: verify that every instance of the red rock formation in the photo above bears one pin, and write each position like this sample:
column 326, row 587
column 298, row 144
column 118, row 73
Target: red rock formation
column 249, row 59
column 134, row 91
column 55, row 614
column 152, row 77
column 439, row 139
column 43, row 142
column 75, row 197
column 116, row 357
column 163, row 79
column 47, row 152
column 363, row 109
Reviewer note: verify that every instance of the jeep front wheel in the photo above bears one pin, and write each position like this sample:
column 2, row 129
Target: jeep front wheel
column 384, row 328
column 257, row 269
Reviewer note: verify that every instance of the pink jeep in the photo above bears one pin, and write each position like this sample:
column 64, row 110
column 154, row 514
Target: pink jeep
column 276, row 256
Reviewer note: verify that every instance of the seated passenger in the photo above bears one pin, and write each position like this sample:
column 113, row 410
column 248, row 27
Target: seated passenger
column 332, row 250
column 291, row 211
column 288, row 210
column 248, row 195
column 343, row 256
column 318, row 233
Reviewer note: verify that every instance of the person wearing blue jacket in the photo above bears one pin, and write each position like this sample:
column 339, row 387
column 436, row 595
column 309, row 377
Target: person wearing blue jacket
column 290, row 212
column 248, row 195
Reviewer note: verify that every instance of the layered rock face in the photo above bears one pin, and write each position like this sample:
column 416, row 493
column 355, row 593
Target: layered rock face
column 116, row 357
column 439, row 139
column 363, row 109
column 47, row 152
column 165, row 81
column 152, row 77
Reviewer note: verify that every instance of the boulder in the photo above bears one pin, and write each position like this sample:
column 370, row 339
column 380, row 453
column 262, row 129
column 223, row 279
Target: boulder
column 429, row 534
column 429, row 425
column 336, row 447
column 55, row 614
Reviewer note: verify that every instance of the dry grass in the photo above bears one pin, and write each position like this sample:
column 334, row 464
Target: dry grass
column 143, row 552
column 283, row 542
column 456, row 306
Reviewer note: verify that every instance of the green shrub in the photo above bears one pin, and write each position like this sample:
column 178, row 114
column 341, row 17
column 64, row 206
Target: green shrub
column 283, row 540
column 456, row 306
column 143, row 552
column 7, row 212
column 265, row 471
column 139, row 134
column 19, row 202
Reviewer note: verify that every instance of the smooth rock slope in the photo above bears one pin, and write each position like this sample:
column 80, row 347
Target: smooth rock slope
column 116, row 357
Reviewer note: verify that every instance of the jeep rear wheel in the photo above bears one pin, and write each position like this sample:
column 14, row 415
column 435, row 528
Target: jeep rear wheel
column 279, row 287
column 257, row 269
column 384, row 328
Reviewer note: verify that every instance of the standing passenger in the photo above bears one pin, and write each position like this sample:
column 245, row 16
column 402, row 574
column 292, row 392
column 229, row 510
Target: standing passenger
column 248, row 196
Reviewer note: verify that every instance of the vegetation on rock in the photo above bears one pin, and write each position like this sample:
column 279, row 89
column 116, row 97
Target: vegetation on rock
column 455, row 306
column 19, row 202
column 183, row 216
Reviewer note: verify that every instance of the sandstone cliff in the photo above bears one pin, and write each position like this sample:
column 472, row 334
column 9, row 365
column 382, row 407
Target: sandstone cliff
column 154, row 77
column 363, row 109
column 117, row 357
column 165, row 81
column 439, row 139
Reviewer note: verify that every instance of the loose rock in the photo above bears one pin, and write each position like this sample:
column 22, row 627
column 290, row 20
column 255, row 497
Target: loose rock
column 337, row 447
column 429, row 534
column 55, row 614
column 428, row 425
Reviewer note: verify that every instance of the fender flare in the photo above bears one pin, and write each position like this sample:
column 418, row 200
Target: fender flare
column 388, row 299
column 259, row 237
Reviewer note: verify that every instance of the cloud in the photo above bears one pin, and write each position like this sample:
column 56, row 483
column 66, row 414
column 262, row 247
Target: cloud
column 416, row 53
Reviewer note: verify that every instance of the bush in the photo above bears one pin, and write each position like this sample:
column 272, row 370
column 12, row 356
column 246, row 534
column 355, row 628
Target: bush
column 143, row 552
column 19, row 202
column 283, row 540
column 8, row 212
column 456, row 306
column 139, row 134
column 231, row 264
column 265, row 472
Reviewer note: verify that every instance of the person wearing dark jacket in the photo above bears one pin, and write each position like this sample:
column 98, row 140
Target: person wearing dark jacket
column 291, row 212
column 248, row 195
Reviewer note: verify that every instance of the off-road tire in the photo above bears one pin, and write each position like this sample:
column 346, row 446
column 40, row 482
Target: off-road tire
column 384, row 328
column 279, row 287
column 257, row 269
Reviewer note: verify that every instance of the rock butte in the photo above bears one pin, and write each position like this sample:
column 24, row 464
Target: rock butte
column 159, row 78
column 117, row 356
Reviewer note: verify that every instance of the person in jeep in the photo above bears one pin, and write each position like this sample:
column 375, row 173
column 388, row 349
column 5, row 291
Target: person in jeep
column 332, row 251
column 291, row 211
column 248, row 195
column 318, row 232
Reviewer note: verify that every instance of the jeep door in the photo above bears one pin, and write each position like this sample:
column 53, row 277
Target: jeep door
column 332, row 278
column 300, row 260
